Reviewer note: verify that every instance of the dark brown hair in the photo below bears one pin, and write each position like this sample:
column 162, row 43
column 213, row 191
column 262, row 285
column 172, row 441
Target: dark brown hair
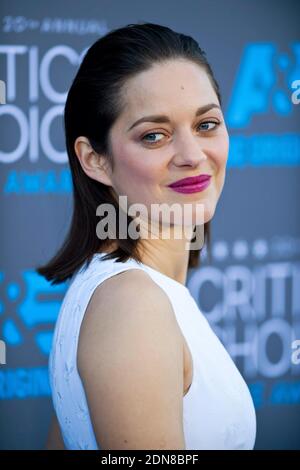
column 93, row 104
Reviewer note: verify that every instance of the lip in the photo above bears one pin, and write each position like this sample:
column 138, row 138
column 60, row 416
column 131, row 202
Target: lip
column 192, row 180
column 191, row 188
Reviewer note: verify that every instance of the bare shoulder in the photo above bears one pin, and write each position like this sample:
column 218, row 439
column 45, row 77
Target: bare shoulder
column 131, row 294
column 130, row 358
column 132, row 284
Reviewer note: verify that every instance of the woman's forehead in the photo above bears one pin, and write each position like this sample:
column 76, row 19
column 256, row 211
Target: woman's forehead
column 161, row 78
column 162, row 97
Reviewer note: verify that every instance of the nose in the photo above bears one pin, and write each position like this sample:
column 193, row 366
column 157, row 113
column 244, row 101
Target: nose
column 189, row 150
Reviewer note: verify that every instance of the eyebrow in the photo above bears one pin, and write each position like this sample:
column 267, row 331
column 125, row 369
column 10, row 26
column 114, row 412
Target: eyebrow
column 163, row 118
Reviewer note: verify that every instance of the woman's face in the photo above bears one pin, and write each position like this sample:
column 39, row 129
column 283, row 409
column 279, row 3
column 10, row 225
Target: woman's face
column 148, row 156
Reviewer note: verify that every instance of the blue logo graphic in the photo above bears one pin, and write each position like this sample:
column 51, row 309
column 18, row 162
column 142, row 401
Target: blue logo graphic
column 35, row 312
column 256, row 90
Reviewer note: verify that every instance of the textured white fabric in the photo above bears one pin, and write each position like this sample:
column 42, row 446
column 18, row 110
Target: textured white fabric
column 218, row 411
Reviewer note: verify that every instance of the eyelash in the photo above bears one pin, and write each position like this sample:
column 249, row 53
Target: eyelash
column 205, row 122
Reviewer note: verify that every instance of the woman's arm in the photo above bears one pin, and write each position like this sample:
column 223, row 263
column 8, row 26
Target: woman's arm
column 130, row 358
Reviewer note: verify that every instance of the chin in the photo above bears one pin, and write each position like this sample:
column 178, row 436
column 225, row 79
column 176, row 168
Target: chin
column 205, row 211
column 209, row 213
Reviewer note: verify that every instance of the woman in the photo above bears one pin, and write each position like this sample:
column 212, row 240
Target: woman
column 134, row 364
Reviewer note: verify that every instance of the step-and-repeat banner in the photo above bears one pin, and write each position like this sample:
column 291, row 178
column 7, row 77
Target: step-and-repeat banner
column 250, row 291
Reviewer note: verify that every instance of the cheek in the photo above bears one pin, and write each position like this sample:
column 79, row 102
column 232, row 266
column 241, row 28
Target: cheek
column 222, row 150
column 135, row 174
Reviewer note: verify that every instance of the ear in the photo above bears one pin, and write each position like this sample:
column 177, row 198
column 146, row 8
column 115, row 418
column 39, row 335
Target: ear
column 94, row 165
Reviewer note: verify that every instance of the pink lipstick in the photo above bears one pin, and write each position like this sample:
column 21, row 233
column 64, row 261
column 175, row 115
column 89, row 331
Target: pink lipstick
column 191, row 184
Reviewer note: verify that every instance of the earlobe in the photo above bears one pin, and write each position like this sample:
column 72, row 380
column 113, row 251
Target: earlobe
column 95, row 170
column 103, row 169
column 93, row 164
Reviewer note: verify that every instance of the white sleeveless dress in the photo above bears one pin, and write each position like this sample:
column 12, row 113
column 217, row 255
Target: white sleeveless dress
column 218, row 411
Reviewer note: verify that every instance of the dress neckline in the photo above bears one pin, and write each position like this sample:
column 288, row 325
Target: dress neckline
column 179, row 284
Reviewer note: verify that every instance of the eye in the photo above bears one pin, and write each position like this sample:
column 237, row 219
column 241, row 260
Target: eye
column 151, row 142
column 216, row 124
